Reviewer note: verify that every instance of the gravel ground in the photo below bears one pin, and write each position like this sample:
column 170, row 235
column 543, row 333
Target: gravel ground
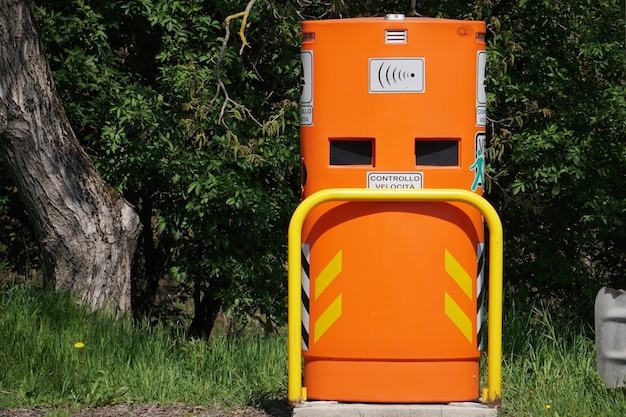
column 274, row 409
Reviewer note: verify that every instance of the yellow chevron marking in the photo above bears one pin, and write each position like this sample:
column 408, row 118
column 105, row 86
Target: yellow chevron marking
column 327, row 318
column 330, row 272
column 458, row 317
column 458, row 274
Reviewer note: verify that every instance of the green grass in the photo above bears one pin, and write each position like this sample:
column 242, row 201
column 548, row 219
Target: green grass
column 124, row 362
column 549, row 368
column 549, row 364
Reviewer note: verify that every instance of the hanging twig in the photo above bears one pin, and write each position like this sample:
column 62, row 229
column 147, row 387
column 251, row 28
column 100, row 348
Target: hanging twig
column 221, row 88
column 244, row 19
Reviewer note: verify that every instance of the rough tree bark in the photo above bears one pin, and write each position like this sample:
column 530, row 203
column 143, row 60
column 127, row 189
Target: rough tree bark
column 87, row 232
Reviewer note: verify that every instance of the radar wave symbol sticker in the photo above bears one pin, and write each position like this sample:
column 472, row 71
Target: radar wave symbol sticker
column 396, row 75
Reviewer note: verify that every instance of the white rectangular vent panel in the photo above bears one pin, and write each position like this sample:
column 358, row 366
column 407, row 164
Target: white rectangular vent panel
column 395, row 36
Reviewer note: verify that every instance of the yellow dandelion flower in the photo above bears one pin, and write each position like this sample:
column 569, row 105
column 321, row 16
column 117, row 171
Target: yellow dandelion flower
column 79, row 345
column 548, row 406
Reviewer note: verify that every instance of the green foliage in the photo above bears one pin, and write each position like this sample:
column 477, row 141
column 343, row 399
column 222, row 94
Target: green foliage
column 200, row 138
column 557, row 97
column 18, row 251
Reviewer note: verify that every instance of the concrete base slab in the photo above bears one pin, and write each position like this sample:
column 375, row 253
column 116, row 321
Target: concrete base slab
column 337, row 409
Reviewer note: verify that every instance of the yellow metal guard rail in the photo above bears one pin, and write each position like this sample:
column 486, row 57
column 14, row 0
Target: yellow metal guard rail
column 493, row 393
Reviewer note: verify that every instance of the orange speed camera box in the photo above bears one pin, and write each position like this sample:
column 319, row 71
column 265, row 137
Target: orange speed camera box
column 392, row 291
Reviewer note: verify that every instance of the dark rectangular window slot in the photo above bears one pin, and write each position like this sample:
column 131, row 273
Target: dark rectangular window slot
column 439, row 152
column 351, row 151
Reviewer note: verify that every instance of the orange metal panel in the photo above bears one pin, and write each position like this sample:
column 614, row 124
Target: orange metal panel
column 392, row 315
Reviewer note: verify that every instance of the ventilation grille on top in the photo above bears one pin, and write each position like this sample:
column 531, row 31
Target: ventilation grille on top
column 395, row 36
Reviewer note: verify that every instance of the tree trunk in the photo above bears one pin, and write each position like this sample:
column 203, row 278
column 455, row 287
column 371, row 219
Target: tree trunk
column 206, row 306
column 148, row 274
column 87, row 232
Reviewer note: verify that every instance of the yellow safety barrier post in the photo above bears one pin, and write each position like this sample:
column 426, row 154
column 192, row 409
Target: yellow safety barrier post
column 296, row 392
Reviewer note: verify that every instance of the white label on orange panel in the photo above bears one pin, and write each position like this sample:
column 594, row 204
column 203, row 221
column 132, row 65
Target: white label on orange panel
column 306, row 81
column 481, row 115
column 481, row 92
column 395, row 180
column 306, row 115
column 396, row 75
